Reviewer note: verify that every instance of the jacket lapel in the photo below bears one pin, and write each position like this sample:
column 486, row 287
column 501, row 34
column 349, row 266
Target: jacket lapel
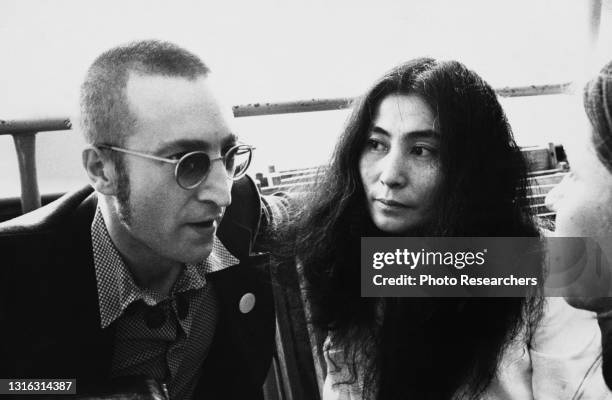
column 242, row 349
column 97, row 342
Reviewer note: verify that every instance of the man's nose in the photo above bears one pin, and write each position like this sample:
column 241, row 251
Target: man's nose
column 394, row 170
column 217, row 186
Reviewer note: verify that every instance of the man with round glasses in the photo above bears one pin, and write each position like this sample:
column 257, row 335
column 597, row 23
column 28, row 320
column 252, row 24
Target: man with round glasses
column 151, row 275
column 192, row 168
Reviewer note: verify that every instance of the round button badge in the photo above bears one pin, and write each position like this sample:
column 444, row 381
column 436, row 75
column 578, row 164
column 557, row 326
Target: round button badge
column 247, row 302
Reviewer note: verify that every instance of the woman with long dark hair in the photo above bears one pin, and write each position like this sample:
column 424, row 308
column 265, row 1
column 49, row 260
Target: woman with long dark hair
column 427, row 151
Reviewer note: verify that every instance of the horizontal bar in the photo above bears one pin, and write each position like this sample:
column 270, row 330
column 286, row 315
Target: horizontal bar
column 12, row 127
column 290, row 107
column 548, row 172
column 535, row 90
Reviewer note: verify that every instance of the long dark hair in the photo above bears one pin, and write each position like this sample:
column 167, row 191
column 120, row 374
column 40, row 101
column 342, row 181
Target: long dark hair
column 419, row 348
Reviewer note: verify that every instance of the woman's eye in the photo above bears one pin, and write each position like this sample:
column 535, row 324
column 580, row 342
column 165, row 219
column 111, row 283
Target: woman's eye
column 376, row 145
column 422, row 151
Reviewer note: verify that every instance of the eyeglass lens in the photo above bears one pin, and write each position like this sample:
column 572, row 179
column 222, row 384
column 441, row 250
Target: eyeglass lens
column 194, row 167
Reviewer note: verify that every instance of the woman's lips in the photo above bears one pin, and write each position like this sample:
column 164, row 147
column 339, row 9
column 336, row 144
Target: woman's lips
column 391, row 203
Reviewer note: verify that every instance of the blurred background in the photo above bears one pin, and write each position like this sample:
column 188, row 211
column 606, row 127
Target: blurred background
column 284, row 50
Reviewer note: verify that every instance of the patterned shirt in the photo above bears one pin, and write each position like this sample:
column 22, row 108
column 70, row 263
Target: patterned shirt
column 166, row 338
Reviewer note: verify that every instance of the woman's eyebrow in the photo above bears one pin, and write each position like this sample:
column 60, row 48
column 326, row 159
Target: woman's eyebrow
column 424, row 134
column 418, row 134
column 378, row 129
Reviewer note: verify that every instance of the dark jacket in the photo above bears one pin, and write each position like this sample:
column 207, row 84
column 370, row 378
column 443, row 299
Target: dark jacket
column 49, row 313
column 605, row 324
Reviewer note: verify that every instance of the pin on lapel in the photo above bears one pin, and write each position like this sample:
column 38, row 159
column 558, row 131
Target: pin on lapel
column 247, row 302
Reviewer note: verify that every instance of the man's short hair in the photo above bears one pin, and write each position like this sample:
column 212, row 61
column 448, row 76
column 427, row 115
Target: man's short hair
column 105, row 115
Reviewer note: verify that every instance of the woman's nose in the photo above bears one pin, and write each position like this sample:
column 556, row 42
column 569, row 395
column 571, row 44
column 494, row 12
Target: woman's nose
column 394, row 170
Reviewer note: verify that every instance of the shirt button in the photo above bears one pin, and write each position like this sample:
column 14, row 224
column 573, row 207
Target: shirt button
column 247, row 302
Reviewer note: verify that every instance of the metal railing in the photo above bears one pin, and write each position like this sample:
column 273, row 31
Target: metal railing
column 290, row 107
column 24, row 135
column 24, row 131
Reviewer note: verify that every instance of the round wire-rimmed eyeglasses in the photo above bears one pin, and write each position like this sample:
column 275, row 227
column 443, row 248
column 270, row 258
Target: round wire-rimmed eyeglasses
column 192, row 168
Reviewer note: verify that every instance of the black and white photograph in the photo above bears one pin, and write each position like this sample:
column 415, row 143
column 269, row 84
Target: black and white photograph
column 295, row 200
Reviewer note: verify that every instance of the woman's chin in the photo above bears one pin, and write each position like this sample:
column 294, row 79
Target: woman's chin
column 394, row 227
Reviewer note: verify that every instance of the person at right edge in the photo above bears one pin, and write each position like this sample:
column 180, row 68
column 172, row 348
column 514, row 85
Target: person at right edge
column 583, row 202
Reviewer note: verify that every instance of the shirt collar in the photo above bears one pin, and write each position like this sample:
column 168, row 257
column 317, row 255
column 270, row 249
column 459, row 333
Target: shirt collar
column 116, row 287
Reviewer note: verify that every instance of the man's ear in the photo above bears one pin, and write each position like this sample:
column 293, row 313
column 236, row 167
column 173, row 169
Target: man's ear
column 100, row 170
